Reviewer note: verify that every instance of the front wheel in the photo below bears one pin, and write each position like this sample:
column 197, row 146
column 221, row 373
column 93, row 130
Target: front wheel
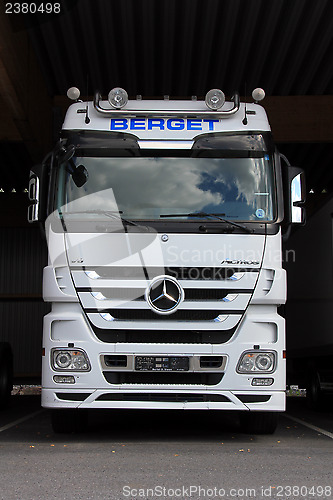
column 314, row 397
column 68, row 421
column 259, row 422
column 6, row 374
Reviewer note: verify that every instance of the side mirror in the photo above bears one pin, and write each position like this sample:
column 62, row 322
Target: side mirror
column 297, row 196
column 294, row 194
column 80, row 175
column 34, row 195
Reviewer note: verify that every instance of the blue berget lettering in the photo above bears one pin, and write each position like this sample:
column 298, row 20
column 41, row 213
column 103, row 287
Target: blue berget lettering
column 119, row 124
column 137, row 124
column 159, row 123
column 155, row 123
column 173, row 124
column 194, row 125
column 211, row 123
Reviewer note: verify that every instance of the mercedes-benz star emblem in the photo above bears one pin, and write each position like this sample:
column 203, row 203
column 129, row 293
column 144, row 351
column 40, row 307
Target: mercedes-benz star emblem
column 164, row 294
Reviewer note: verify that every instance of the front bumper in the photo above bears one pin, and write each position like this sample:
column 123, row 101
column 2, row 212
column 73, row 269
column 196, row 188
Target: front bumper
column 162, row 399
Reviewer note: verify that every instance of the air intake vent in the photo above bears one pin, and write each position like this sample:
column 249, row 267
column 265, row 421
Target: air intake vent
column 143, row 314
column 113, row 360
column 59, row 274
column 158, row 378
column 164, row 336
column 211, row 361
column 75, row 396
column 164, row 397
column 253, row 398
column 268, row 275
column 180, row 273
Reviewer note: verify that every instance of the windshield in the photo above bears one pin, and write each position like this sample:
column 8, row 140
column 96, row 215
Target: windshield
column 151, row 188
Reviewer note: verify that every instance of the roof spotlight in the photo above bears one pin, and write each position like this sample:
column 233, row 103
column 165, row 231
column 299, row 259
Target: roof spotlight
column 215, row 99
column 118, row 97
column 73, row 93
column 258, row 94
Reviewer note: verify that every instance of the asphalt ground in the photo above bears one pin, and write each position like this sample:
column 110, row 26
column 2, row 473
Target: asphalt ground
column 153, row 454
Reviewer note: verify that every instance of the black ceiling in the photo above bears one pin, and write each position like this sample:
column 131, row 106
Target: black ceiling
column 186, row 47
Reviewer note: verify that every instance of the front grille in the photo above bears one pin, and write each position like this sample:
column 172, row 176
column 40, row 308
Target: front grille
column 180, row 273
column 215, row 299
column 163, row 336
column 159, row 378
column 165, row 397
column 126, row 294
column 144, row 314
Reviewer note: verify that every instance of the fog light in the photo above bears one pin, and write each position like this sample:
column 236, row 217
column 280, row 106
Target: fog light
column 118, row 97
column 262, row 381
column 215, row 99
column 256, row 361
column 69, row 360
column 64, row 379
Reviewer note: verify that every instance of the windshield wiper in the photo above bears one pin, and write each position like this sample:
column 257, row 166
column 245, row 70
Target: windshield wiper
column 215, row 216
column 109, row 213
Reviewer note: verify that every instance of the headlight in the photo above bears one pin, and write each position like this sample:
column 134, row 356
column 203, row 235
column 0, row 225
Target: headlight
column 70, row 360
column 254, row 361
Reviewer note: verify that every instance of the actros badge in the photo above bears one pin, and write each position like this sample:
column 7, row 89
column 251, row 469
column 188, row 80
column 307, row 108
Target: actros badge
column 164, row 295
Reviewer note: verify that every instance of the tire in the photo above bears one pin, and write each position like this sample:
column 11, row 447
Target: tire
column 6, row 374
column 315, row 399
column 259, row 422
column 69, row 421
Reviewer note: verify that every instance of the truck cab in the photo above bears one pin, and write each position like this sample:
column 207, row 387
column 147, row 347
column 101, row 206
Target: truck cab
column 164, row 221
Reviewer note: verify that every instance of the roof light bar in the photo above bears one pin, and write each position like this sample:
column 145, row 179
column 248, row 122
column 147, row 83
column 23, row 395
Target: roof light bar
column 215, row 99
column 118, row 97
column 116, row 111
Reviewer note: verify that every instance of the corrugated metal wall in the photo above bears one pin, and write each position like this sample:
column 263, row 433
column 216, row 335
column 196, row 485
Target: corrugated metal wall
column 23, row 255
column 186, row 47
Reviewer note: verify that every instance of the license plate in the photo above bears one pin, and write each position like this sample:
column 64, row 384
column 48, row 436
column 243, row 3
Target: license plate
column 162, row 363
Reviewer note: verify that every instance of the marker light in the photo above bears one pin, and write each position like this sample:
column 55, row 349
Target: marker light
column 259, row 382
column 118, row 97
column 73, row 93
column 64, row 379
column 215, row 99
column 258, row 94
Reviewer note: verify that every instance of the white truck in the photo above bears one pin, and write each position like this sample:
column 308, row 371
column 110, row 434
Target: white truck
column 164, row 220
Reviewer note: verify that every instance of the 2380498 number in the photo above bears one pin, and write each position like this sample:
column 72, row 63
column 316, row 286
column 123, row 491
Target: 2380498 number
column 32, row 8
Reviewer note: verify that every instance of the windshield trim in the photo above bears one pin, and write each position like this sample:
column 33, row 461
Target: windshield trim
column 213, row 139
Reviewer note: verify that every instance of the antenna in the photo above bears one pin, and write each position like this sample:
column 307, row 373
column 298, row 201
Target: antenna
column 87, row 119
column 245, row 117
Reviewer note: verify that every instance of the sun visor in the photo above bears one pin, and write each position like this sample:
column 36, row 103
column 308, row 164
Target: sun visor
column 91, row 143
column 260, row 142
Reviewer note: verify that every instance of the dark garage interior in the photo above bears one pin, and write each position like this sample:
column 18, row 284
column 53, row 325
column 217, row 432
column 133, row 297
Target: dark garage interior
column 179, row 48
